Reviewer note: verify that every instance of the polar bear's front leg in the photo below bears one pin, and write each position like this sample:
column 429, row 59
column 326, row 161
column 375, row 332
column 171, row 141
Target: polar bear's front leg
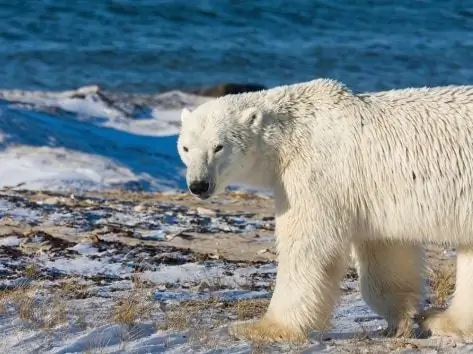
column 391, row 279
column 311, row 264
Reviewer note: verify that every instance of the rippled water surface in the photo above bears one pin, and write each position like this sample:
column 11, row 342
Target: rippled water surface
column 153, row 45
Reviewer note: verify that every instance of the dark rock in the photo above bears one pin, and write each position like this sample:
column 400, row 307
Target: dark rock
column 227, row 89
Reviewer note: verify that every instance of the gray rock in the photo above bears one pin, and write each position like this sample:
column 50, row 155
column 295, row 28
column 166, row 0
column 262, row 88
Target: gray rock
column 226, row 89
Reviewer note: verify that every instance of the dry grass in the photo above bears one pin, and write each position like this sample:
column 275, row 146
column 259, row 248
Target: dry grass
column 74, row 288
column 202, row 337
column 364, row 342
column 128, row 334
column 442, row 284
column 31, row 271
column 81, row 321
column 128, row 310
column 136, row 305
column 180, row 317
column 45, row 311
column 201, row 317
column 250, row 309
column 246, row 195
column 362, row 336
column 13, row 295
column 397, row 345
column 219, row 312
column 188, row 316
column 259, row 348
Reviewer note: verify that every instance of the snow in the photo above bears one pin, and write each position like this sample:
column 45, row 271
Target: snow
column 84, row 248
column 10, row 241
column 62, row 143
column 85, row 267
column 227, row 295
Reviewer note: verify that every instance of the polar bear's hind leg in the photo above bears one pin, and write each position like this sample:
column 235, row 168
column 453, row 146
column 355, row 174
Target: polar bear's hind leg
column 457, row 320
column 391, row 281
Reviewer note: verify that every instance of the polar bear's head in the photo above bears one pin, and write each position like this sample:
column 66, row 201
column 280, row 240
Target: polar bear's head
column 216, row 143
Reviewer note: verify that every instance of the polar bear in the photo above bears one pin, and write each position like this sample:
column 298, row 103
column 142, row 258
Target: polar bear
column 379, row 174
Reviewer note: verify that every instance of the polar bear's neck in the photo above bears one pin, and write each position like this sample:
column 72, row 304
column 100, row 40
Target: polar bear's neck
column 307, row 119
column 307, row 124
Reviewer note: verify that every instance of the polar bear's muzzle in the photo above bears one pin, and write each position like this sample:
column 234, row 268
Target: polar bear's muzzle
column 201, row 188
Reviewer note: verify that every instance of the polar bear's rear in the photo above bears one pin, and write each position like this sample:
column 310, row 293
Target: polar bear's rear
column 381, row 173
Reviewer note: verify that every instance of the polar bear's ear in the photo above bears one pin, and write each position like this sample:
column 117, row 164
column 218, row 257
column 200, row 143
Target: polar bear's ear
column 184, row 114
column 252, row 117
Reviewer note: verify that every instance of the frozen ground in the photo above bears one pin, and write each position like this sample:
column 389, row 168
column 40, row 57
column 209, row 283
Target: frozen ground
column 148, row 273
column 92, row 262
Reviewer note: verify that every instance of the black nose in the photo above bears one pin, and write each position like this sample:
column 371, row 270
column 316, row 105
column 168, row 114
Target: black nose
column 199, row 187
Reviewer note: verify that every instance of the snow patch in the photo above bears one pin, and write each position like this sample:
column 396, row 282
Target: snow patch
column 61, row 141
column 84, row 248
column 10, row 241
column 85, row 266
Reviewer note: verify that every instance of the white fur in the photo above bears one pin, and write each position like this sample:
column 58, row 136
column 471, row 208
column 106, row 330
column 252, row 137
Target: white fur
column 381, row 173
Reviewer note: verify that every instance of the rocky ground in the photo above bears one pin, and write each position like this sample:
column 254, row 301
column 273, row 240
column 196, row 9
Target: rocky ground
column 123, row 272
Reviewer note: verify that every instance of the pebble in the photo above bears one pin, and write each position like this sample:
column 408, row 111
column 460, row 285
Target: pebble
column 52, row 200
column 139, row 207
column 206, row 212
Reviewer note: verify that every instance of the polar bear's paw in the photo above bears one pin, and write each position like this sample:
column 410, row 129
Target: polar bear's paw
column 265, row 331
column 402, row 330
column 440, row 322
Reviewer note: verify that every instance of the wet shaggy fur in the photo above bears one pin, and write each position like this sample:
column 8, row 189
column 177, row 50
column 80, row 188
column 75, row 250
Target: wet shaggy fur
column 378, row 174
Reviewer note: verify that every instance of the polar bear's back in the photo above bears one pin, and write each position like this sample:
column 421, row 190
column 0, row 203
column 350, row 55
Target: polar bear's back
column 417, row 152
column 460, row 94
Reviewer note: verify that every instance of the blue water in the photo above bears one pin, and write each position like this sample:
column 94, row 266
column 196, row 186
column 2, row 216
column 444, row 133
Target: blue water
column 156, row 45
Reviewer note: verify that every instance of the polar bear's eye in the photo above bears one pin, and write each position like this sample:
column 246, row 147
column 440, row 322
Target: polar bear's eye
column 218, row 148
column 185, row 148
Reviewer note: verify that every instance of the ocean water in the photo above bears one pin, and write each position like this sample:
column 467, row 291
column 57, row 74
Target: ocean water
column 158, row 45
